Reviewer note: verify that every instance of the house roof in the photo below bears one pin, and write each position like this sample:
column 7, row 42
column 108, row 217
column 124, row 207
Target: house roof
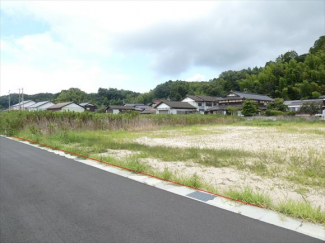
column 207, row 98
column 148, row 111
column 301, row 102
column 59, row 105
column 38, row 104
column 200, row 98
column 249, row 96
column 177, row 105
column 194, row 97
column 23, row 103
column 131, row 104
column 84, row 104
column 120, row 107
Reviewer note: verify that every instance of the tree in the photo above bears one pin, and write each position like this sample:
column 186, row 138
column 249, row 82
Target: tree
column 249, row 108
column 277, row 104
column 310, row 108
column 232, row 110
column 72, row 94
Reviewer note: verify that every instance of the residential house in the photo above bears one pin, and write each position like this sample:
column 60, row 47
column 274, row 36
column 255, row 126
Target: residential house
column 154, row 103
column 148, row 111
column 295, row 105
column 88, row 106
column 117, row 109
column 201, row 102
column 66, row 106
column 138, row 107
column 22, row 105
column 175, row 107
column 40, row 106
column 236, row 99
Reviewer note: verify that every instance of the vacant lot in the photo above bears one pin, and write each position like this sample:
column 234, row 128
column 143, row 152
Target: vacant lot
column 278, row 165
column 287, row 162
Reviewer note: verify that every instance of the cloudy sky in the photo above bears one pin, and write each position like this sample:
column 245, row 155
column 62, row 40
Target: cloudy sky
column 47, row 46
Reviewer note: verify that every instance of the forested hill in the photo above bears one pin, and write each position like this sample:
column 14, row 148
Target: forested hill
column 290, row 76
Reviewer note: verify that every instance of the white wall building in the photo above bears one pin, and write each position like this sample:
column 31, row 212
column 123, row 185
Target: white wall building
column 175, row 107
column 200, row 102
column 67, row 106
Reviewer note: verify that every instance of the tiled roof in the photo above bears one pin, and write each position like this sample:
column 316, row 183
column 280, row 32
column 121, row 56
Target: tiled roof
column 59, row 105
column 120, row 107
column 177, row 105
column 251, row 96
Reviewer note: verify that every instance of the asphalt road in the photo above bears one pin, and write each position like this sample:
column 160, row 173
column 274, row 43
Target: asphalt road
column 49, row 198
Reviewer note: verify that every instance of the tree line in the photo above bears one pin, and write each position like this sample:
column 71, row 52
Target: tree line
column 290, row 77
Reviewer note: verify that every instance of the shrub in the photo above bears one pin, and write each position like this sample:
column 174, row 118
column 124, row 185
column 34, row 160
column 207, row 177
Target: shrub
column 273, row 113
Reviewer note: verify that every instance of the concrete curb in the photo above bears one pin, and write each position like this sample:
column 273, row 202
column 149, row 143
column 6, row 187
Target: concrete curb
column 265, row 215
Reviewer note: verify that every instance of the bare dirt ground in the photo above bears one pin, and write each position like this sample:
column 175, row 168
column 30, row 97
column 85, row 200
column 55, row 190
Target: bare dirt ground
column 286, row 141
column 254, row 139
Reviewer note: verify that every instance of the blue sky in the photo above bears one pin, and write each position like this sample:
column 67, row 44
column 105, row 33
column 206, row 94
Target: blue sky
column 47, row 46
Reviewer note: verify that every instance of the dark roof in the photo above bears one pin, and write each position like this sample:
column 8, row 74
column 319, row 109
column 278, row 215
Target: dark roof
column 143, row 107
column 251, row 96
column 207, row 98
column 131, row 104
column 148, row 111
column 201, row 98
column 59, row 105
column 120, row 107
column 177, row 105
column 194, row 97
column 38, row 104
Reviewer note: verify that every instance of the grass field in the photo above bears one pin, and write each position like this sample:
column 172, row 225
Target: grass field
column 275, row 164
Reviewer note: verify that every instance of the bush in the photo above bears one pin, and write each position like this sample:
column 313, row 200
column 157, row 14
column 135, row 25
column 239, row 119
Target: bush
column 273, row 113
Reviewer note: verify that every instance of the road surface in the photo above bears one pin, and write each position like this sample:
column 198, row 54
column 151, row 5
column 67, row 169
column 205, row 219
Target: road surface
column 48, row 198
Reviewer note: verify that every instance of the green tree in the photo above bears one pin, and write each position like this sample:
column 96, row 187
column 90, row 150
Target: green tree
column 72, row 94
column 277, row 104
column 310, row 108
column 249, row 108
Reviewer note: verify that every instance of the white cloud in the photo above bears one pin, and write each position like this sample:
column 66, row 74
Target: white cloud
column 197, row 77
column 83, row 38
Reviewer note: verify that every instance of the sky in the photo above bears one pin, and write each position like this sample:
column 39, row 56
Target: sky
column 48, row 46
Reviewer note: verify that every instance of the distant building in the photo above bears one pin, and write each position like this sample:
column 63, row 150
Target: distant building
column 42, row 105
column 88, row 106
column 295, row 105
column 117, row 109
column 66, row 106
column 138, row 107
column 22, row 105
column 175, row 107
column 237, row 99
column 201, row 102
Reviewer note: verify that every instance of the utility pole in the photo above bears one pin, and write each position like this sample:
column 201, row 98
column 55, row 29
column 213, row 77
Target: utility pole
column 19, row 98
column 9, row 100
column 22, row 96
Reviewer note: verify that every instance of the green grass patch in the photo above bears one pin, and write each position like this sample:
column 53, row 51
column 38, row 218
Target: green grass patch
column 249, row 196
column 302, row 210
